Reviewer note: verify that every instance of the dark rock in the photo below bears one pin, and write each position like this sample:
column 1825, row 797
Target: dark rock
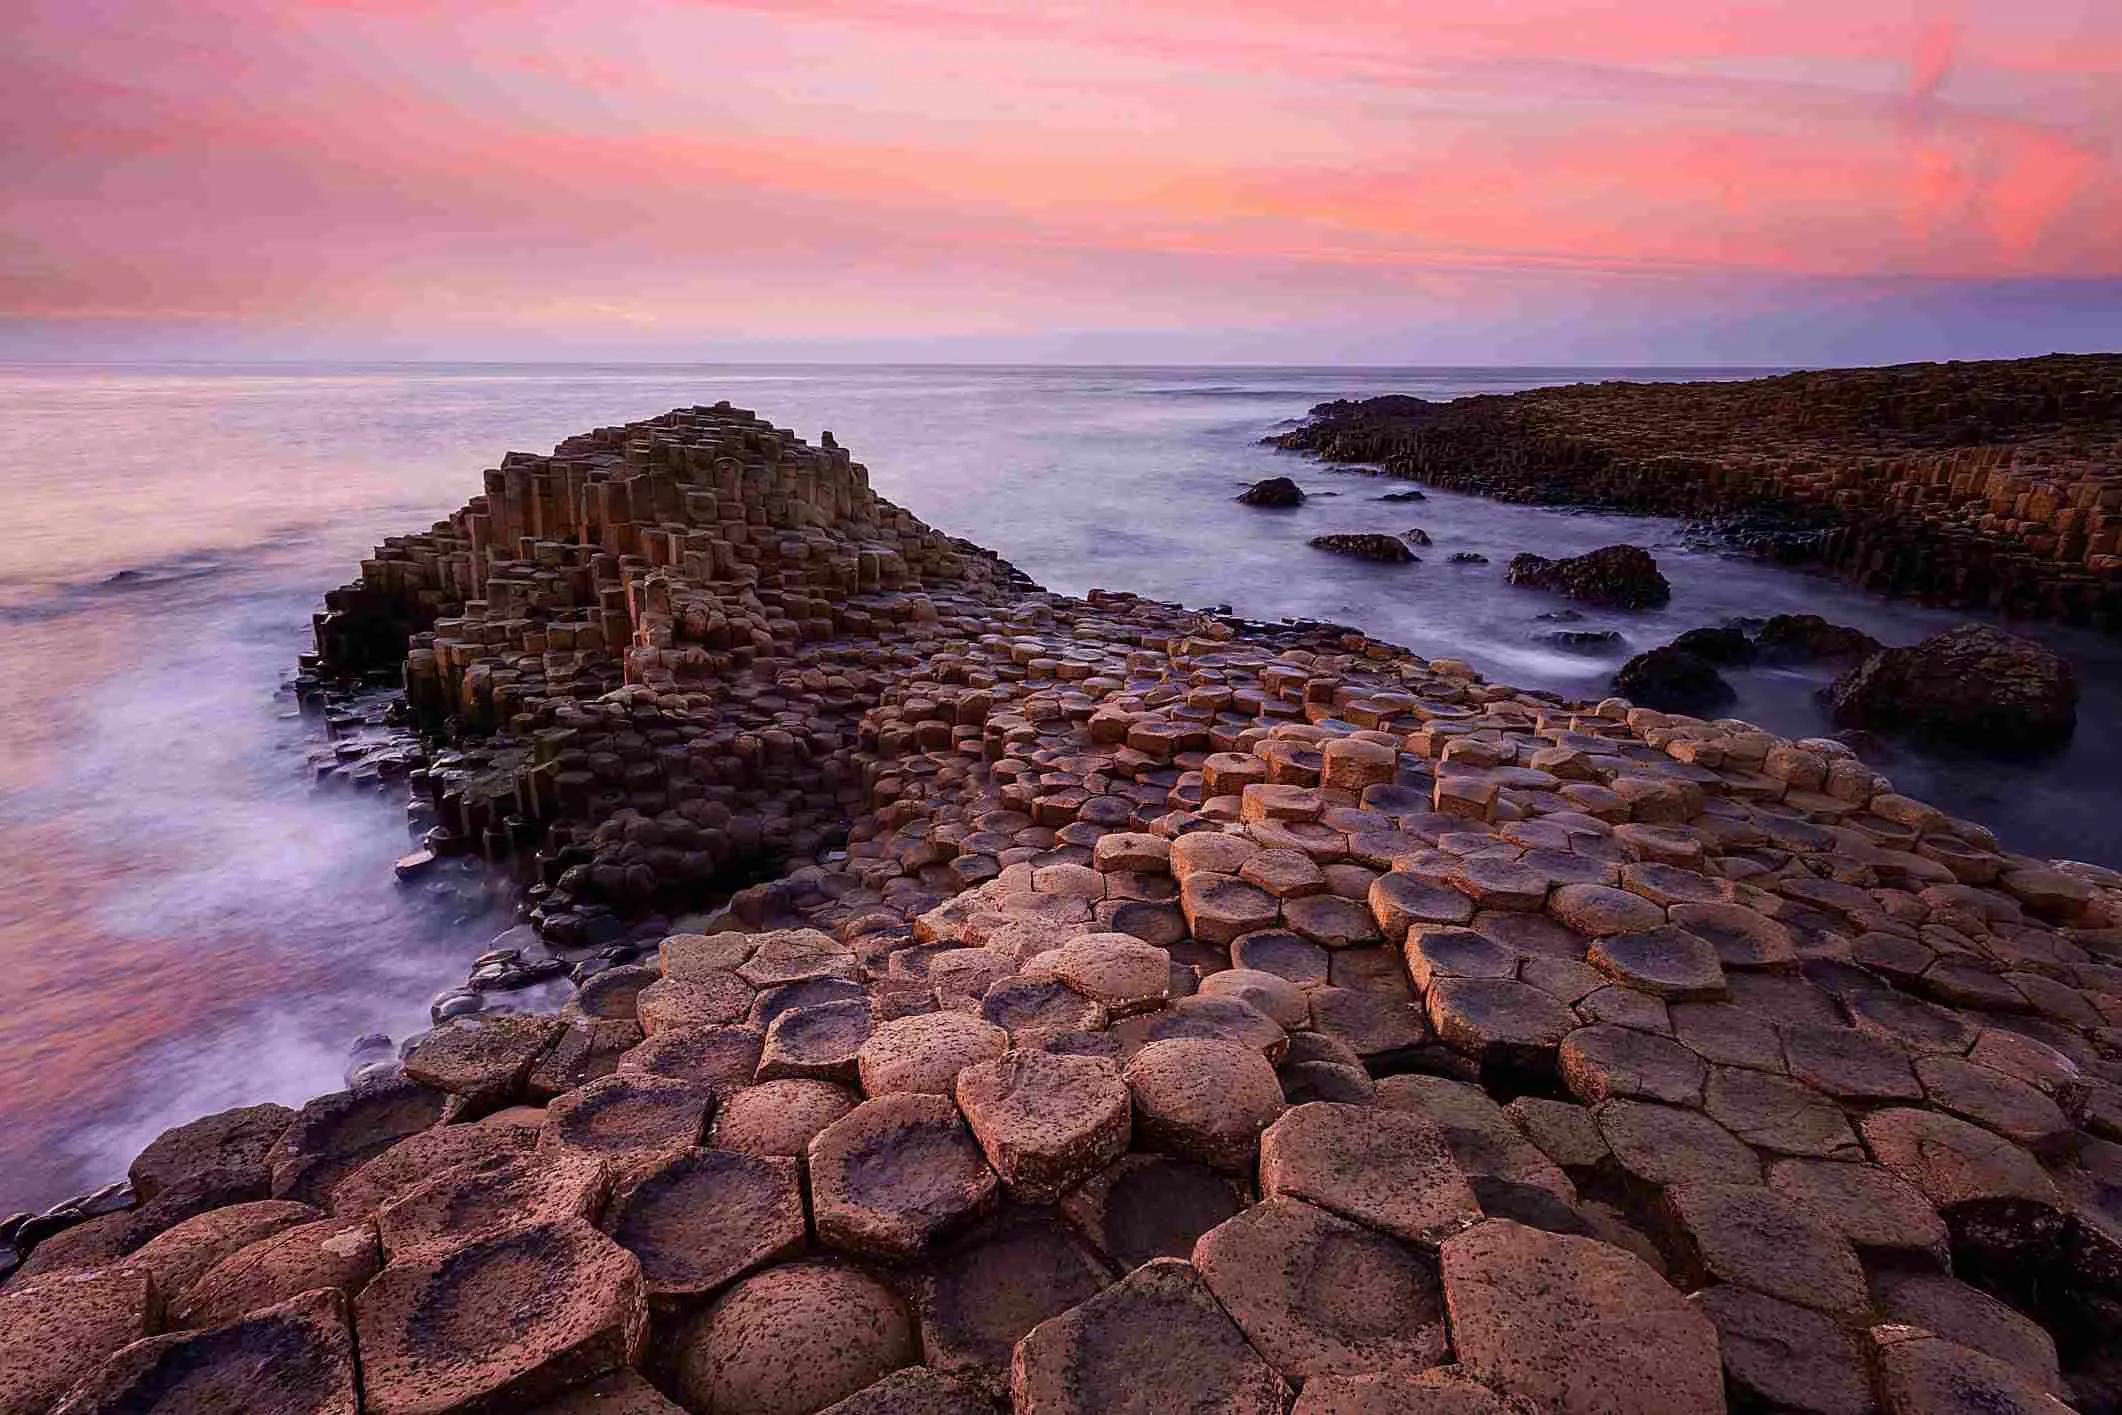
column 1467, row 557
column 1671, row 679
column 1590, row 641
column 1276, row 492
column 1973, row 686
column 1804, row 638
column 1389, row 549
column 1719, row 644
column 1622, row 576
column 1402, row 496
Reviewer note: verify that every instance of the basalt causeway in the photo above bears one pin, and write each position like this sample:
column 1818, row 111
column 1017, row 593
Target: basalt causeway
column 991, row 999
column 1993, row 485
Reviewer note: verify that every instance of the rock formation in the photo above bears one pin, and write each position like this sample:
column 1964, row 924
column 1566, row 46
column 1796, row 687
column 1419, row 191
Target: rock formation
column 1972, row 685
column 1994, row 485
column 1391, row 550
column 1276, row 492
column 1618, row 576
column 1148, row 1009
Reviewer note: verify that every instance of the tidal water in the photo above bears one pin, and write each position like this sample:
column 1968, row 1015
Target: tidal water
column 186, row 924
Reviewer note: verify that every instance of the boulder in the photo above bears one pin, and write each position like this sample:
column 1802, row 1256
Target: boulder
column 1619, row 576
column 1387, row 549
column 1275, row 492
column 1805, row 638
column 1671, row 679
column 1973, row 686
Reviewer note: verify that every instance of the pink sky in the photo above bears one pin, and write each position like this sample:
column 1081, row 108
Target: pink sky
column 1656, row 180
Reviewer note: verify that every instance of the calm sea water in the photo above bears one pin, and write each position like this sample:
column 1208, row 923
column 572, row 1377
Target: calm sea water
column 186, row 925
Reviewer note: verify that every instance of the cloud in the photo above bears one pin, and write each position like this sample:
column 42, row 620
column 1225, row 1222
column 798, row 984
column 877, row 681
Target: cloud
column 889, row 167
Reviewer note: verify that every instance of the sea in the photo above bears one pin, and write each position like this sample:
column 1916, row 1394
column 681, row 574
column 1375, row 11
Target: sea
column 188, row 922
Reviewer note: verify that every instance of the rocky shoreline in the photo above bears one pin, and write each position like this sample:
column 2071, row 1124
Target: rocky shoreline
column 1990, row 485
column 987, row 998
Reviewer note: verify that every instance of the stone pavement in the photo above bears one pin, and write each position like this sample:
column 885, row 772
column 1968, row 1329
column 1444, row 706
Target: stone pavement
column 1150, row 1012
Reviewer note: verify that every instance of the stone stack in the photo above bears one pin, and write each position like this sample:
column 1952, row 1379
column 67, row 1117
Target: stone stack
column 1981, row 485
column 1199, row 1015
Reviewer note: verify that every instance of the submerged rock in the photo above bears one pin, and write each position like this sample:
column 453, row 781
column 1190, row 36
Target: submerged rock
column 1402, row 496
column 1974, row 686
column 1385, row 548
column 1623, row 576
column 1580, row 640
column 1276, row 492
column 1468, row 557
column 1671, row 679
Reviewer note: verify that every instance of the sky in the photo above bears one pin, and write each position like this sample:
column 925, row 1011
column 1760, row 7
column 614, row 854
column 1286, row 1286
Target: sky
column 1512, row 181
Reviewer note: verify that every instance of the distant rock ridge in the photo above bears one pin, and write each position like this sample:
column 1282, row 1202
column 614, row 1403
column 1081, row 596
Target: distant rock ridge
column 1993, row 485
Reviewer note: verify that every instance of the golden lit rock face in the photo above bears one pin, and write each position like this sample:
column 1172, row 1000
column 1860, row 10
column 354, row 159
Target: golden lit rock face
column 1273, row 966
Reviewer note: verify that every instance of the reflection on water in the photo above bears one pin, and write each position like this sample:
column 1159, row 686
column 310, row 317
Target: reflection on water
column 184, row 925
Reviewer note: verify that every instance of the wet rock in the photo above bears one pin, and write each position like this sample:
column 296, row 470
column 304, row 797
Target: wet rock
column 1276, row 492
column 1974, row 686
column 702, row 1218
column 1807, row 638
column 1149, row 1206
column 56, row 1329
column 292, row 1359
column 1585, row 641
column 523, row 1314
column 230, row 1139
column 1157, row 1340
column 1620, row 576
column 1388, row 549
column 793, row 1340
column 1388, row 1169
column 895, row 1173
column 982, row 1294
column 1318, row 1295
column 1672, row 679
column 1045, row 1122
column 1203, row 1099
column 1575, row 1325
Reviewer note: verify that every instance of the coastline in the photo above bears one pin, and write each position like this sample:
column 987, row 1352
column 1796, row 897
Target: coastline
column 702, row 645
column 1988, row 485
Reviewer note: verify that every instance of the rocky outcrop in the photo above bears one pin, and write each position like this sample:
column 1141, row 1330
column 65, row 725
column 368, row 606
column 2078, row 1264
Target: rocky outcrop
column 1278, row 492
column 1389, row 550
column 1672, row 679
column 1170, row 1010
column 1993, row 485
column 1973, row 685
column 1618, row 576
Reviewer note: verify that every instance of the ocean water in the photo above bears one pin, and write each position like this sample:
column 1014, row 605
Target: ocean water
column 186, row 924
